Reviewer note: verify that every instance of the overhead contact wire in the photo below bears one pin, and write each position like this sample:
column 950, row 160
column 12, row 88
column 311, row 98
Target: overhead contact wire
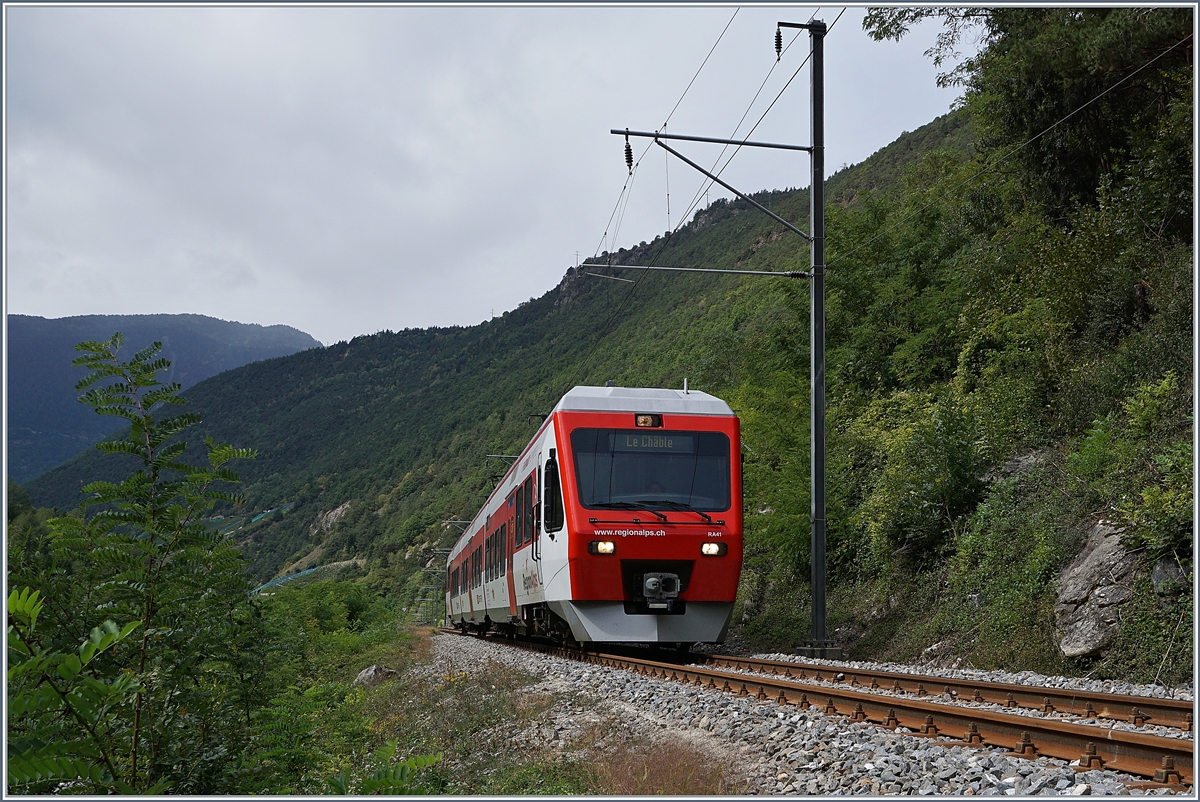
column 629, row 293
column 629, row 181
column 626, row 192
column 706, row 186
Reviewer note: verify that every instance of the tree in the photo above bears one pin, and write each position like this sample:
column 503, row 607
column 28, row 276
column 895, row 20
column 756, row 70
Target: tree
column 64, row 712
column 1073, row 90
column 146, row 558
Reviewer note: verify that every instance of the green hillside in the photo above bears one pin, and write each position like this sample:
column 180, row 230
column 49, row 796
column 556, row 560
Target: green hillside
column 1007, row 364
column 47, row 427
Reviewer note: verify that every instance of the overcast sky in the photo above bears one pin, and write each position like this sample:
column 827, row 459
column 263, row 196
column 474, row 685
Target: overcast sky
column 348, row 170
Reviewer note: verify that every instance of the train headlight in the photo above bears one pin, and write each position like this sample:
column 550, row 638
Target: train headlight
column 601, row 547
column 711, row 549
column 653, row 421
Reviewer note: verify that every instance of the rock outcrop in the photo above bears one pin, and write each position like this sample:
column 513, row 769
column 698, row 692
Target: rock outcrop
column 1168, row 578
column 1096, row 582
column 326, row 520
column 373, row 675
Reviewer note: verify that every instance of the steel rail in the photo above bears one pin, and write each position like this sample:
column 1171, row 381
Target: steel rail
column 1136, row 710
column 1165, row 759
column 1169, row 761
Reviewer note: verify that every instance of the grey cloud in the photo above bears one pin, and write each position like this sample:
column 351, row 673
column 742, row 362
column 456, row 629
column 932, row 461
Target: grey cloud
column 345, row 170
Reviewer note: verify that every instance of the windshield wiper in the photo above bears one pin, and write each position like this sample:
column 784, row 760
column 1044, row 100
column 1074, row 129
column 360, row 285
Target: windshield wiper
column 627, row 505
column 676, row 505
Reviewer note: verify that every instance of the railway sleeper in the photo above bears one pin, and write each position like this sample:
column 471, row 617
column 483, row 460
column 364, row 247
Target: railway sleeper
column 1130, row 752
column 1161, row 712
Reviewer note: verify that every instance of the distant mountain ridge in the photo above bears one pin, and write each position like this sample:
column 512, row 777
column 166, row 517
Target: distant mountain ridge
column 46, row 426
column 398, row 423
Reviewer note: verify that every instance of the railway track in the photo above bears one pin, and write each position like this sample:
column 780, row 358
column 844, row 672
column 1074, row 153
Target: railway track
column 1163, row 761
column 1100, row 707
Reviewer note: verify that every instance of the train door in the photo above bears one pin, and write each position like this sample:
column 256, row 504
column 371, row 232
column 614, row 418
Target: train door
column 469, row 563
column 511, row 544
column 536, row 548
column 480, row 610
column 476, row 592
column 553, row 514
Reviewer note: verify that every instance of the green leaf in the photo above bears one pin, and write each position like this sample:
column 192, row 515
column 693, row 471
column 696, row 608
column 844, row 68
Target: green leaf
column 24, row 605
column 70, row 667
column 339, row 783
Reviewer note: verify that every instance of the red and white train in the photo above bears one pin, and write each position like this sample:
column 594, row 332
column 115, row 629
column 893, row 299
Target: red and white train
column 621, row 521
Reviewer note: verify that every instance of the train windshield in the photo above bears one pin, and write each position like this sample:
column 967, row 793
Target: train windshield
column 639, row 469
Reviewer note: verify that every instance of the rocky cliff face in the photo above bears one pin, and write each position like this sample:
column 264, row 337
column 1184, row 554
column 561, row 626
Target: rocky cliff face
column 1093, row 586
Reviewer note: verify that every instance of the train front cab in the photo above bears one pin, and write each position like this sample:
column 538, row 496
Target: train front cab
column 653, row 507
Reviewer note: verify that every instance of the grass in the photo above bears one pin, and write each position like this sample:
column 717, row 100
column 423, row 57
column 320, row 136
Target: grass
column 1154, row 643
column 621, row 767
column 480, row 717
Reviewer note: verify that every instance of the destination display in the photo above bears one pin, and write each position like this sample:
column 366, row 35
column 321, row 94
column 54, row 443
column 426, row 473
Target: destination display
column 652, row 441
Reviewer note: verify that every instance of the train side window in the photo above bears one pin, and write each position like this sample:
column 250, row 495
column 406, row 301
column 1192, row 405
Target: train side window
column 553, row 496
column 503, row 559
column 519, row 529
column 526, row 532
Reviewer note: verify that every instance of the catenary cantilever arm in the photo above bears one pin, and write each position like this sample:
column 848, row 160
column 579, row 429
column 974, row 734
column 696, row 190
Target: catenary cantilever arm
column 779, row 273
column 741, row 143
column 741, row 195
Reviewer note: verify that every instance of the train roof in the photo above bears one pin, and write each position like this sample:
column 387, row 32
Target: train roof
column 642, row 399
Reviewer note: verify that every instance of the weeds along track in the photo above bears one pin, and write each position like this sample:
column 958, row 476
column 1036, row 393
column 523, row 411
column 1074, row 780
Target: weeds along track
column 1163, row 760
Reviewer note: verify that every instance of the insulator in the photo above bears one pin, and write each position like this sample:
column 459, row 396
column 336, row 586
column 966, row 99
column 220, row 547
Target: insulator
column 628, row 155
column 778, row 44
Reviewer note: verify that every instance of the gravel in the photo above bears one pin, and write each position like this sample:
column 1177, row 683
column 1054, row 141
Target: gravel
column 997, row 676
column 1029, row 678
column 781, row 750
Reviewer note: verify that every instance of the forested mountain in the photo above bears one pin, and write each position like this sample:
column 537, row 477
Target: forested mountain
column 46, row 426
column 357, row 416
column 978, row 319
